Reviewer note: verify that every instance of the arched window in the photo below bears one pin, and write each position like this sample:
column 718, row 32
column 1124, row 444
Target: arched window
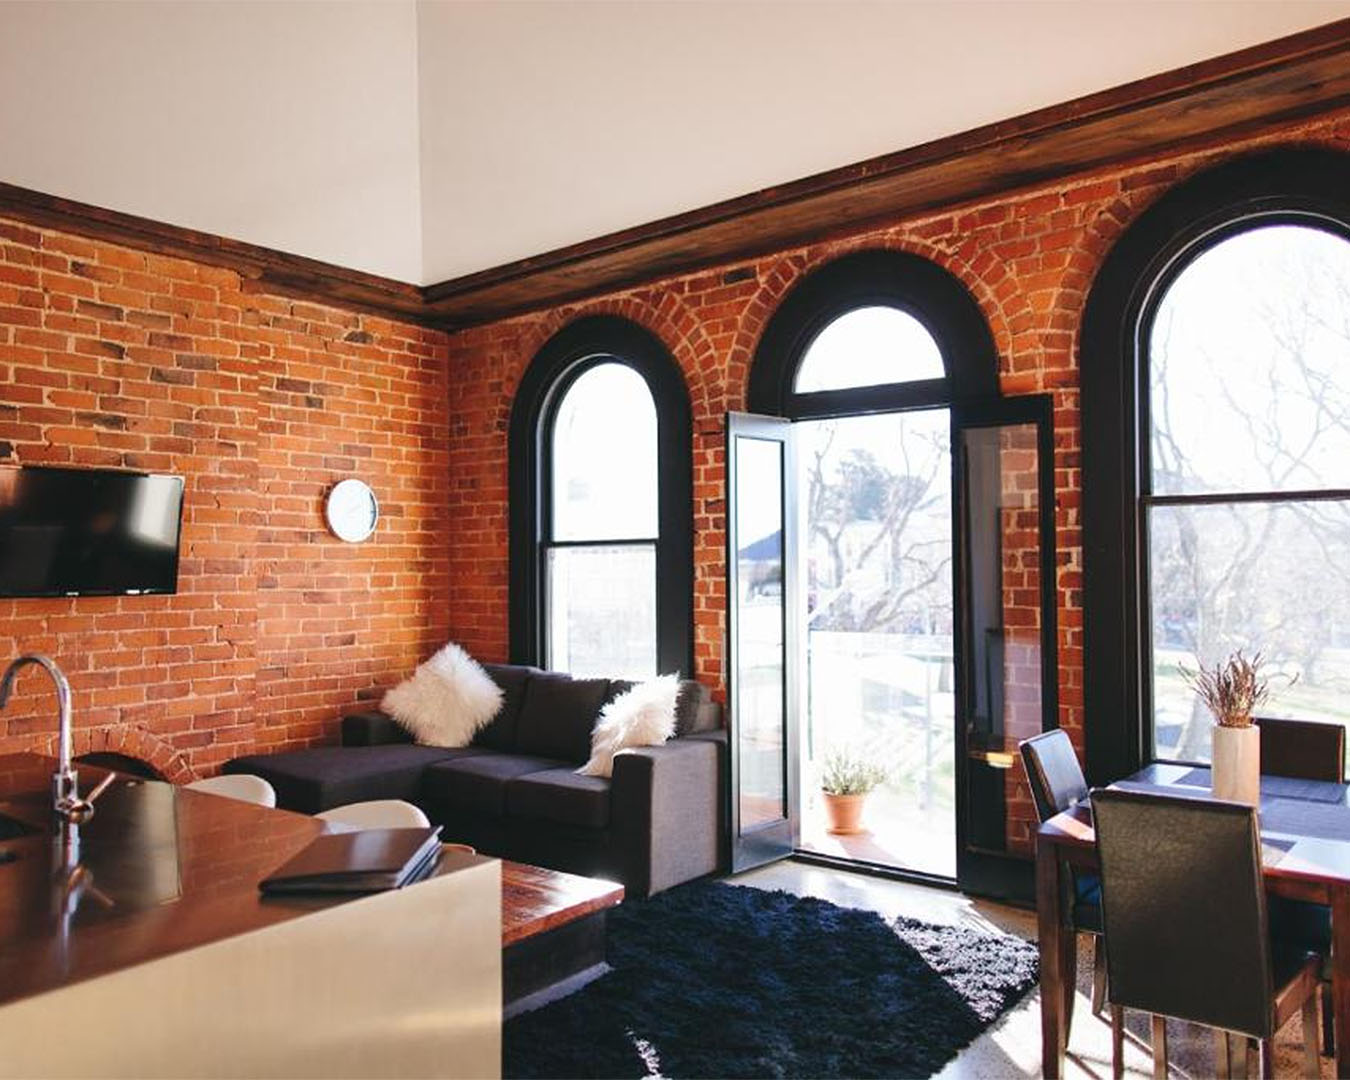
column 914, row 607
column 601, row 506
column 877, row 331
column 1219, row 338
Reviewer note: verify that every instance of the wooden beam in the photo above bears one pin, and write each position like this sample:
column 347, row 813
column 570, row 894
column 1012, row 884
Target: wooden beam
column 266, row 269
column 1240, row 93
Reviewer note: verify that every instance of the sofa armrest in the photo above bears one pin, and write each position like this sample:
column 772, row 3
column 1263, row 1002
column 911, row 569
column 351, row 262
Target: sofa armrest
column 372, row 728
column 666, row 809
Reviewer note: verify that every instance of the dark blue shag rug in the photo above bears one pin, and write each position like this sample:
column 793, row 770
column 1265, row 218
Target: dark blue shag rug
column 715, row 980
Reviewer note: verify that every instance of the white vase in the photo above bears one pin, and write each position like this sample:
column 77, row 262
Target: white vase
column 1236, row 764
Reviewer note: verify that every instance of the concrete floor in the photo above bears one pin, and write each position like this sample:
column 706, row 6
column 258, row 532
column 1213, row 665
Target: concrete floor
column 1012, row 1046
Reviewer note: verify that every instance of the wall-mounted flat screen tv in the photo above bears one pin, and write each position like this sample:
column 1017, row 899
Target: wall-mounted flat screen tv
column 88, row 532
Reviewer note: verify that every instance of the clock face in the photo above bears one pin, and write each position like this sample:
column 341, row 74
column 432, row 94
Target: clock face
column 352, row 511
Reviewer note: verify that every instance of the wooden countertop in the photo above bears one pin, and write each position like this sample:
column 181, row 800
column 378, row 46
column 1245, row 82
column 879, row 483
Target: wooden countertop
column 160, row 869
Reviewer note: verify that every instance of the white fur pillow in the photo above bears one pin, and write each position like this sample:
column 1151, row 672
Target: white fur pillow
column 446, row 701
column 645, row 716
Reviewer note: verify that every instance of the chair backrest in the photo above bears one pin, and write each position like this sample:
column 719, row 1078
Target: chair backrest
column 242, row 786
column 1306, row 749
column 1183, row 909
column 1053, row 772
column 376, row 814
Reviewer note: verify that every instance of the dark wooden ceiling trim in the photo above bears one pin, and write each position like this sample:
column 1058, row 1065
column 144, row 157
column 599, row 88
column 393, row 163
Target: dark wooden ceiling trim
column 1203, row 104
column 1232, row 95
column 268, row 270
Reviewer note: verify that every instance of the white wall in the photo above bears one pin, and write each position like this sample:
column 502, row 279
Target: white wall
column 308, row 126
column 547, row 123
column 291, row 125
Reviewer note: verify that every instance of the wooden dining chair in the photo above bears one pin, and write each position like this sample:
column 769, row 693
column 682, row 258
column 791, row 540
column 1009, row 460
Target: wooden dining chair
column 1185, row 927
column 1056, row 782
column 1305, row 750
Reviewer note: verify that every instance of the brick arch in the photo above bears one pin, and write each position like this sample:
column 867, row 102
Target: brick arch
column 1118, row 210
column 987, row 278
column 775, row 278
column 129, row 739
column 660, row 311
column 1112, row 217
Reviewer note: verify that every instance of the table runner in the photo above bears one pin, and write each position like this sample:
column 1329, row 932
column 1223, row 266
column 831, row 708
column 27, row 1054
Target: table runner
column 1279, row 787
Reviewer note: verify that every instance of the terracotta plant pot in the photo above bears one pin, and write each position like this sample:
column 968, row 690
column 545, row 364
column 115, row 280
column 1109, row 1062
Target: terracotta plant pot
column 1235, row 773
column 843, row 814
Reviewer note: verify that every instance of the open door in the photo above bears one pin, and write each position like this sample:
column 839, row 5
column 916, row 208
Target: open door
column 763, row 631
column 1007, row 686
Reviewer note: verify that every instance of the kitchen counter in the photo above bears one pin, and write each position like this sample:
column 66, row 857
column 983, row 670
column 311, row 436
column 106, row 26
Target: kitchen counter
column 149, row 924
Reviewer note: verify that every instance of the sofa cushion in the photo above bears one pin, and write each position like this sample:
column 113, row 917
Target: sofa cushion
column 477, row 784
column 689, row 713
column 372, row 728
column 328, row 776
column 446, row 700
column 558, row 715
column 560, row 795
column 689, row 707
column 500, row 731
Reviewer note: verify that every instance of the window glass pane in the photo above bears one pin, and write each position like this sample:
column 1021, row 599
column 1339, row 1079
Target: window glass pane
column 870, row 346
column 605, row 457
column 1249, row 367
column 602, row 610
column 1267, row 577
column 759, row 632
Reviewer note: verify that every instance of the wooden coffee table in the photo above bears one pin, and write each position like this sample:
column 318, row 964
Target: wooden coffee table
column 553, row 933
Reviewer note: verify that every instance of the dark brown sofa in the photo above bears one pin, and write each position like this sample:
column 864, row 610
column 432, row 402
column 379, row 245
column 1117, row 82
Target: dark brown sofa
column 515, row 793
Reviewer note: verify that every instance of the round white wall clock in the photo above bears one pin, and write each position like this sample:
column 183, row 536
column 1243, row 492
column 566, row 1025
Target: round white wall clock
column 352, row 510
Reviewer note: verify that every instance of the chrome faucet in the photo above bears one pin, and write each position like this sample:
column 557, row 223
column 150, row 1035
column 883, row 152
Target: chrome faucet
column 66, row 801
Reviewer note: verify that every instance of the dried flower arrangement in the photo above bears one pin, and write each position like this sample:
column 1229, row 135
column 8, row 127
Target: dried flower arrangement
column 1231, row 690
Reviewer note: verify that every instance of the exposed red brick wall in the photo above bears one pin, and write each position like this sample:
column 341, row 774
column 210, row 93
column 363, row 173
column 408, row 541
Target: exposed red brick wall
column 1027, row 258
column 119, row 358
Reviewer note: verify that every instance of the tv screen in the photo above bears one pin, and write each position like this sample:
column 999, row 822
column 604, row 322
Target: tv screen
column 88, row 532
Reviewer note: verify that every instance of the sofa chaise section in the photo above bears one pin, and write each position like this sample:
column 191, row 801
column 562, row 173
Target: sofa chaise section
column 323, row 777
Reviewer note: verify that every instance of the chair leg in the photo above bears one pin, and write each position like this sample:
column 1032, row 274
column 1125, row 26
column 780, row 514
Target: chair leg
column 1223, row 1064
column 1267, row 1058
column 1070, row 987
column 1159, row 1048
column 1098, row 975
column 1311, row 1064
column 1328, row 1023
column 1117, row 1042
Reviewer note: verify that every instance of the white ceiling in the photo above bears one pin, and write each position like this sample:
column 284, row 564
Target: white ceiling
column 290, row 125
column 427, row 140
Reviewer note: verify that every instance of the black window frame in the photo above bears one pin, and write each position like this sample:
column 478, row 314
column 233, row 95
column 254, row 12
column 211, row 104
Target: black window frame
column 896, row 279
column 575, row 349
column 1300, row 185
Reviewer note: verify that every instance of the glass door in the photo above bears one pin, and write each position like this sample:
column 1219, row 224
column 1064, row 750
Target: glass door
column 1007, row 687
column 762, row 627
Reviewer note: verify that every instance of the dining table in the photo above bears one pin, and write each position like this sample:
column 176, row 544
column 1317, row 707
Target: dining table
column 1305, row 854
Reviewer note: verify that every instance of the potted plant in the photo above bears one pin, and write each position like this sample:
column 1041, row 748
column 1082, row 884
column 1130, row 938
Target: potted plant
column 1231, row 691
column 846, row 778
